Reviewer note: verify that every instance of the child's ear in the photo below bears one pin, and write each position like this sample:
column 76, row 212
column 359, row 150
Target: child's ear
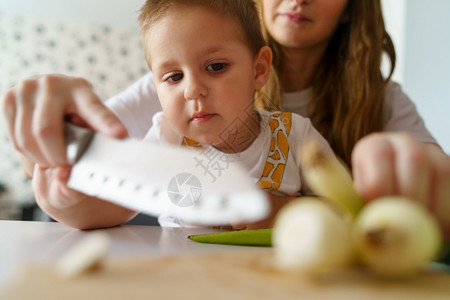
column 263, row 62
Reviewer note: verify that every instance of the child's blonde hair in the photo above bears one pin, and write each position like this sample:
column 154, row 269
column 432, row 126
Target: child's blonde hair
column 243, row 12
column 349, row 88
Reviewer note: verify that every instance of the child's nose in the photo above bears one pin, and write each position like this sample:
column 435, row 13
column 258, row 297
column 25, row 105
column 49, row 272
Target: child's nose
column 195, row 89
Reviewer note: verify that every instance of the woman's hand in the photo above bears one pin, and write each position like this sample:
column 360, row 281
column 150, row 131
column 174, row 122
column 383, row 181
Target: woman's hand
column 397, row 164
column 71, row 207
column 276, row 203
column 34, row 112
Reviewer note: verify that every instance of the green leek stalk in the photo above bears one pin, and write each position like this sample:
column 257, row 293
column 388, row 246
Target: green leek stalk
column 256, row 237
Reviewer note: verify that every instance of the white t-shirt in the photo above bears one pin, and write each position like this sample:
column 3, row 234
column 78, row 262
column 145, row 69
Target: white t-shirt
column 270, row 160
column 136, row 106
column 400, row 112
column 254, row 158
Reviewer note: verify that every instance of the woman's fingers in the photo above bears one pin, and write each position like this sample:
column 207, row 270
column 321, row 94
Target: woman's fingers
column 80, row 103
column 9, row 111
column 48, row 119
column 35, row 111
column 397, row 164
column 96, row 114
column 412, row 168
column 440, row 185
column 23, row 137
column 441, row 204
column 373, row 161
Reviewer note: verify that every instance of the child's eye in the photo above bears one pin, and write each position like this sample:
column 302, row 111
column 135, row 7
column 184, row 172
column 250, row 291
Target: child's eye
column 216, row 67
column 174, row 77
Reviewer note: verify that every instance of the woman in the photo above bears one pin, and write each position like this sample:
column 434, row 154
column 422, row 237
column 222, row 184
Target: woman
column 328, row 60
column 327, row 56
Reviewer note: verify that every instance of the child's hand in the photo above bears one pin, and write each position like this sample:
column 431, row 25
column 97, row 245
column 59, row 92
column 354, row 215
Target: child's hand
column 397, row 164
column 276, row 203
column 34, row 112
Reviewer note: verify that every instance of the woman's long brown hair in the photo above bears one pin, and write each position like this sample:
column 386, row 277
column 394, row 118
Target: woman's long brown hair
column 349, row 88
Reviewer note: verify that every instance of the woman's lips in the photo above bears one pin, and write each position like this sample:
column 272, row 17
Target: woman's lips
column 296, row 17
column 199, row 118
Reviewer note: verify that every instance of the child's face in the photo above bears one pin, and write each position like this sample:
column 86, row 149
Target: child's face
column 205, row 74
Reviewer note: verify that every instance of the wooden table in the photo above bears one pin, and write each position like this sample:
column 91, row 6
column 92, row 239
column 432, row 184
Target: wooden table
column 27, row 243
column 150, row 262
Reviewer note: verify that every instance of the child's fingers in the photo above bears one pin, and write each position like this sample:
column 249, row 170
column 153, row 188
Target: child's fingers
column 50, row 187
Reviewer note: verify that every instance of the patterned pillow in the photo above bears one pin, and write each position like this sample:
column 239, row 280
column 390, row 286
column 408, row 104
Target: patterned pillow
column 110, row 58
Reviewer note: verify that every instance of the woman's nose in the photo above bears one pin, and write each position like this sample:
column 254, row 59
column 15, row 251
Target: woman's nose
column 195, row 89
